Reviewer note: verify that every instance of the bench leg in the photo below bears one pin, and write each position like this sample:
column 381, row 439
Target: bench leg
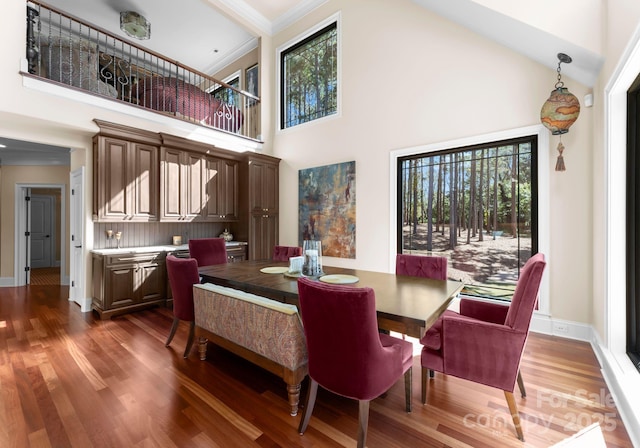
column 294, row 397
column 202, row 348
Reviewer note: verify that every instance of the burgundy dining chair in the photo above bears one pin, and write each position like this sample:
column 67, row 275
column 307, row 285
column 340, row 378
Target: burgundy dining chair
column 427, row 266
column 421, row 266
column 485, row 341
column 183, row 274
column 349, row 357
column 208, row 251
column 283, row 253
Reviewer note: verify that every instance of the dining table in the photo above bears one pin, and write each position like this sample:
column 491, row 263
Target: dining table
column 404, row 304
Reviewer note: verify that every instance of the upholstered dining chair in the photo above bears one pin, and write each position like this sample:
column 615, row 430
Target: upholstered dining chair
column 349, row 357
column 421, row 266
column 283, row 253
column 208, row 251
column 427, row 266
column 485, row 341
column 183, row 274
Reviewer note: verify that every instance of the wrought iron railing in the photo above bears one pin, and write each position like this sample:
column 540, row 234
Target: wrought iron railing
column 64, row 49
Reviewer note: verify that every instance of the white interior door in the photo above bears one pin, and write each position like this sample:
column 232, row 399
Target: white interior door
column 77, row 263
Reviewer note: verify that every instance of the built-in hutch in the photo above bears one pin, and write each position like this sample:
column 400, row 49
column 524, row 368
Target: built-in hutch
column 151, row 179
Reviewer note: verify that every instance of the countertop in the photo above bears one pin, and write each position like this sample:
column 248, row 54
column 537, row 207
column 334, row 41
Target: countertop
column 160, row 248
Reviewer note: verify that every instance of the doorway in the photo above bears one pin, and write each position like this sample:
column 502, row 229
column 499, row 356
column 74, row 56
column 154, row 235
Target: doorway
column 45, row 246
column 39, row 234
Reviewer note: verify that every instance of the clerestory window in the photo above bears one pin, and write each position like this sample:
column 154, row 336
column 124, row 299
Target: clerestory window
column 309, row 78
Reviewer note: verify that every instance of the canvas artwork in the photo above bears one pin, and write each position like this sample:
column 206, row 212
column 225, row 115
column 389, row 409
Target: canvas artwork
column 327, row 208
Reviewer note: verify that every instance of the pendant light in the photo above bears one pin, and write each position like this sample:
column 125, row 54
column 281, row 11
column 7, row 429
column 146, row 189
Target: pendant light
column 135, row 25
column 560, row 110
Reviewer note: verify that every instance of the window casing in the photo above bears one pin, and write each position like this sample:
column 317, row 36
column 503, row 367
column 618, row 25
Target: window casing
column 488, row 239
column 309, row 77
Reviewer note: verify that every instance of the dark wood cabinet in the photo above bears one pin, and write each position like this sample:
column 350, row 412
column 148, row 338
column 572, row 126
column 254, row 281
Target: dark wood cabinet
column 236, row 253
column 126, row 181
column 263, row 185
column 183, row 185
column 221, row 189
column 259, row 205
column 197, row 183
column 128, row 282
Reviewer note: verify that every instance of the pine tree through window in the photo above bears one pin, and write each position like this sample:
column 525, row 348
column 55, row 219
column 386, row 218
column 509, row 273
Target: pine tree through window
column 475, row 205
column 309, row 78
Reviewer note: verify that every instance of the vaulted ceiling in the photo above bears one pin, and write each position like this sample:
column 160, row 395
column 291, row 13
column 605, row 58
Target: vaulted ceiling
column 202, row 37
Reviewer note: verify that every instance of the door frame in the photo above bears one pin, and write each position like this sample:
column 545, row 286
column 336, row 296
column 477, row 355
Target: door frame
column 20, row 227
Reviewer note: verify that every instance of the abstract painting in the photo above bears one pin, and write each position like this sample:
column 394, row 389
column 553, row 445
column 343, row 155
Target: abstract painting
column 327, row 208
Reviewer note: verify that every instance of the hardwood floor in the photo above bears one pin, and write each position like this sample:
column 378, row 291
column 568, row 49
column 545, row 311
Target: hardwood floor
column 68, row 379
column 45, row 276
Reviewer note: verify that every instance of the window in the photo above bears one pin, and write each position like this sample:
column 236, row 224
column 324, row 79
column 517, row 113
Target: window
column 227, row 95
column 633, row 224
column 309, row 78
column 475, row 205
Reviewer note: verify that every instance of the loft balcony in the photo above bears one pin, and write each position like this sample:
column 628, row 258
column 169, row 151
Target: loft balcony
column 64, row 50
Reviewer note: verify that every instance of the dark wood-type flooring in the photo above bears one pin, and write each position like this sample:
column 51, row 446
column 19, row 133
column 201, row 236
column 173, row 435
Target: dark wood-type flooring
column 68, row 379
column 45, row 276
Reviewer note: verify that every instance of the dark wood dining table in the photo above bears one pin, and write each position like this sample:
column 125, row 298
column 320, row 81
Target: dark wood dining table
column 404, row 304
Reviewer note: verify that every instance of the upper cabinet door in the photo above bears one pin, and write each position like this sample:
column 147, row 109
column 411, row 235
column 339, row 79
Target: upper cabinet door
column 263, row 186
column 125, row 180
column 222, row 190
column 228, row 196
column 145, row 181
column 195, row 187
column 171, row 194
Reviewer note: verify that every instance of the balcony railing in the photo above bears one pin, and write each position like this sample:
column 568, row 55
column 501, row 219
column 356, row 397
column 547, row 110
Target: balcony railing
column 68, row 51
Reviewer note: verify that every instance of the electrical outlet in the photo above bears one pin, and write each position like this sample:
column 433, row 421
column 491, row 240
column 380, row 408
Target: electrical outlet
column 560, row 328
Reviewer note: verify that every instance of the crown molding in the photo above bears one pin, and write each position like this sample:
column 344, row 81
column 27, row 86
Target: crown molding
column 294, row 14
column 243, row 9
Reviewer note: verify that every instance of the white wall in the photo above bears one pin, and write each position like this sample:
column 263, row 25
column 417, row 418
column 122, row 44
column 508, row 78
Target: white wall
column 576, row 21
column 410, row 78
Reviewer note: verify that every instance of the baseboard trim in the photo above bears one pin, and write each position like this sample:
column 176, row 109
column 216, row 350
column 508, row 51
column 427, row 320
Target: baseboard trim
column 6, row 281
column 85, row 304
column 541, row 323
column 622, row 378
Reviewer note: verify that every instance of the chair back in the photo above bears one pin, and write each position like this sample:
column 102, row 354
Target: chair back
column 183, row 274
column 283, row 253
column 343, row 343
column 526, row 294
column 421, row 266
column 208, row 251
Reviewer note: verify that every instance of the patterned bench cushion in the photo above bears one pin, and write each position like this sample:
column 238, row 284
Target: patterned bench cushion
column 264, row 326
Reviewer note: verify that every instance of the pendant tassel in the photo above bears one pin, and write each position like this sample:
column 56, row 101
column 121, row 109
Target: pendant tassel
column 560, row 162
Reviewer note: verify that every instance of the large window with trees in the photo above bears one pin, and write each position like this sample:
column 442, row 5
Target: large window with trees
column 309, row 78
column 475, row 205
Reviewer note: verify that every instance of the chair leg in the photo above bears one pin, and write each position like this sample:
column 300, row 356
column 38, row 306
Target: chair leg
column 310, row 403
column 192, row 326
column 423, row 380
column 513, row 408
column 172, row 332
column 364, row 422
column 407, row 388
column 523, row 392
